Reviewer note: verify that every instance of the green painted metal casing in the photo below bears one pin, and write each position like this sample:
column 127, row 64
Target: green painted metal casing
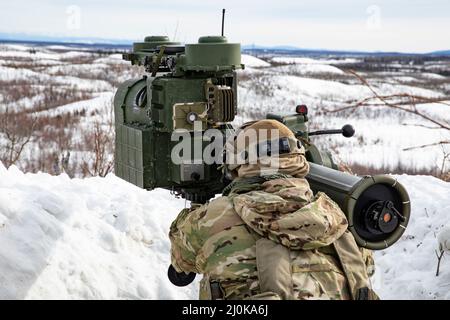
column 214, row 54
column 144, row 113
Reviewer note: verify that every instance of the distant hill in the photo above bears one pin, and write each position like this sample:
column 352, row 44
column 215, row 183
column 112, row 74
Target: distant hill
column 290, row 50
column 90, row 43
column 23, row 37
column 441, row 53
column 252, row 48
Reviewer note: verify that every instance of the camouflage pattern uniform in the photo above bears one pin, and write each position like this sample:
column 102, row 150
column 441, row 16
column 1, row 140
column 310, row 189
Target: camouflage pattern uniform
column 269, row 237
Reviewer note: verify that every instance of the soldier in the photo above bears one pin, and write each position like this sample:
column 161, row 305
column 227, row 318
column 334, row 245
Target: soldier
column 269, row 236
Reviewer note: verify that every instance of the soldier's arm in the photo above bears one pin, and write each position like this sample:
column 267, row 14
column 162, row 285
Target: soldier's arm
column 184, row 244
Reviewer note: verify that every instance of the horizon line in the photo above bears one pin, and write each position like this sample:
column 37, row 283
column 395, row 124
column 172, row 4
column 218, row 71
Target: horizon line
column 27, row 38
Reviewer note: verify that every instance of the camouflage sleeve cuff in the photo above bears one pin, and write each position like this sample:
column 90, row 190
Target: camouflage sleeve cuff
column 183, row 250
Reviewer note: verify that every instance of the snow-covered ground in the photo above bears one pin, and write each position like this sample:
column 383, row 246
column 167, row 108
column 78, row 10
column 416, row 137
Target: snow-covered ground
column 382, row 134
column 103, row 238
column 85, row 82
column 407, row 270
column 251, row 61
column 96, row 238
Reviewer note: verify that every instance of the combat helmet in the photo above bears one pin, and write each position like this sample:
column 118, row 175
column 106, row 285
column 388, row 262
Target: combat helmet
column 266, row 146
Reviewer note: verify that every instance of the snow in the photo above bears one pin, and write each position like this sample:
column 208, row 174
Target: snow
column 15, row 74
column 25, row 54
column 18, row 51
column 103, row 238
column 279, row 89
column 306, row 69
column 432, row 76
column 379, row 150
column 407, row 270
column 112, row 59
column 59, row 47
column 74, row 54
column 97, row 238
column 251, row 61
column 303, row 60
column 405, row 79
column 83, row 84
column 92, row 69
column 102, row 99
column 14, row 47
column 11, row 74
column 444, row 239
column 318, row 89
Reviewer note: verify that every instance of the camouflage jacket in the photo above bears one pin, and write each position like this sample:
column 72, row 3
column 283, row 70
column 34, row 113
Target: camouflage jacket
column 272, row 239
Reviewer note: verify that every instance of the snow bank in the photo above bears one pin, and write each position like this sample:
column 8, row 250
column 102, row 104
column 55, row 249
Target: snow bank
column 102, row 238
column 251, row 61
column 407, row 270
column 98, row 238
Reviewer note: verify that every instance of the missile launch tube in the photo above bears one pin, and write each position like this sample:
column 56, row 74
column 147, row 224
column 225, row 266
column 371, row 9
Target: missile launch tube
column 377, row 207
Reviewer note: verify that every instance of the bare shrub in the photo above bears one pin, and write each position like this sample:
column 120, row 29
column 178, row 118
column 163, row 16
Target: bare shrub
column 100, row 143
column 81, row 59
column 55, row 96
column 17, row 130
column 13, row 91
column 362, row 170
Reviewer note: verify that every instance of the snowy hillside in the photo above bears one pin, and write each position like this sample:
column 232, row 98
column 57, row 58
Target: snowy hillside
column 102, row 238
column 69, row 92
column 323, row 85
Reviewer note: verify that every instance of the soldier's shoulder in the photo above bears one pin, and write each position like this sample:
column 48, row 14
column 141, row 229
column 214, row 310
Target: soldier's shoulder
column 220, row 204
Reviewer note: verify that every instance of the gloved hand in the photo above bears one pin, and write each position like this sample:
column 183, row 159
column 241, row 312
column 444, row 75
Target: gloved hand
column 180, row 279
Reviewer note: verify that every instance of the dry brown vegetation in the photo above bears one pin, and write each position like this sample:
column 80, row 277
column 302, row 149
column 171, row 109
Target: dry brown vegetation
column 17, row 131
column 101, row 142
column 35, row 139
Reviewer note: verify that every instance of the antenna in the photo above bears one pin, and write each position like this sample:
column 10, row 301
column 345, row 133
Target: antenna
column 223, row 20
column 176, row 30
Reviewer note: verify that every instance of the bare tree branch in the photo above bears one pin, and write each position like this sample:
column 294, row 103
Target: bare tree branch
column 384, row 99
column 439, row 257
column 427, row 145
column 18, row 129
column 419, row 125
column 100, row 143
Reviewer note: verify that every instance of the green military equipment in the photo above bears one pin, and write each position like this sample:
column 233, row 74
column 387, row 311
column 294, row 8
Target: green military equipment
column 193, row 88
column 196, row 82
column 377, row 207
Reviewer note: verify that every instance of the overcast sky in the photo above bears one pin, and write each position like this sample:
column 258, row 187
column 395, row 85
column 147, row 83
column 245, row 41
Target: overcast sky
column 402, row 25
